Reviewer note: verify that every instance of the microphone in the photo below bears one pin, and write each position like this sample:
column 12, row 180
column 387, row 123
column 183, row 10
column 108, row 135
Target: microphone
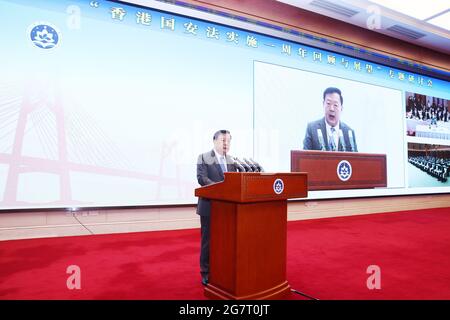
column 251, row 165
column 239, row 167
column 260, row 168
column 243, row 164
column 321, row 140
column 341, row 140
column 352, row 143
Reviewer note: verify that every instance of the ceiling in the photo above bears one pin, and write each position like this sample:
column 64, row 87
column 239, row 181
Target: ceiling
column 424, row 23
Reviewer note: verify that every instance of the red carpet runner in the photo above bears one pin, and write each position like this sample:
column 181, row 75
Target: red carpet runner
column 327, row 259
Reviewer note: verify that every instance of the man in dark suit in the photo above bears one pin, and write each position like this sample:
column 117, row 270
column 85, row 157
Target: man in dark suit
column 211, row 166
column 329, row 133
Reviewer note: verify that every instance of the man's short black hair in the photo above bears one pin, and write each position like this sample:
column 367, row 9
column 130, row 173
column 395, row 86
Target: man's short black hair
column 218, row 133
column 331, row 90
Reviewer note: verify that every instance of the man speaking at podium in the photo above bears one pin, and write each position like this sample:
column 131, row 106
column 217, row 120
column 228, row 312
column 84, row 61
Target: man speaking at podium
column 211, row 166
column 329, row 133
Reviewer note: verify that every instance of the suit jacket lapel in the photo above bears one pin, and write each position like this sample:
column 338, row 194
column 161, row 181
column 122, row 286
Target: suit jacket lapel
column 230, row 166
column 323, row 127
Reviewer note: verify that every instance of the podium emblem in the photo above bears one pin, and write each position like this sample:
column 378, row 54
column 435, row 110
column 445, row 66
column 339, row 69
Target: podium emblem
column 278, row 186
column 44, row 35
column 344, row 170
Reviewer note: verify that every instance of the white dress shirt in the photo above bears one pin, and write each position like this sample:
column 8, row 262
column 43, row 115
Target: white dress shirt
column 221, row 159
column 335, row 135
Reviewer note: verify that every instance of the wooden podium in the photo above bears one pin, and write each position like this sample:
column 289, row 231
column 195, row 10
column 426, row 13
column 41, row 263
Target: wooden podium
column 367, row 170
column 248, row 234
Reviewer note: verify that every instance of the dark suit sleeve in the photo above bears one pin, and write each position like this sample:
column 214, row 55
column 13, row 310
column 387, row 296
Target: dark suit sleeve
column 354, row 141
column 308, row 141
column 202, row 172
column 347, row 130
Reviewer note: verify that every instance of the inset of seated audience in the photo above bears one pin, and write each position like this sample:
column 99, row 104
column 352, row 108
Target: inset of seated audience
column 435, row 167
column 420, row 111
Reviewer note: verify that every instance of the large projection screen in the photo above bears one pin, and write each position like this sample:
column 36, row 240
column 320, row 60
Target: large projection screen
column 108, row 104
